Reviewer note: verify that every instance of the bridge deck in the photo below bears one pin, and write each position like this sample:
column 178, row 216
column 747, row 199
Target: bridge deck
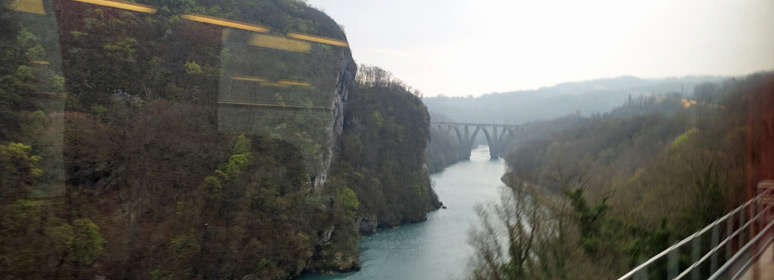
column 478, row 124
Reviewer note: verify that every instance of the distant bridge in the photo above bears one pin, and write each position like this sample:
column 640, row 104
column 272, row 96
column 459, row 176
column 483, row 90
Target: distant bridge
column 497, row 142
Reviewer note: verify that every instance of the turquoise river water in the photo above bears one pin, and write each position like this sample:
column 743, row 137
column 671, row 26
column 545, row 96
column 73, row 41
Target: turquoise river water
column 436, row 248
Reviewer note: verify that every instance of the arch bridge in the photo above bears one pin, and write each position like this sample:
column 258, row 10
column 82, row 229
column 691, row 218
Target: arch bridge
column 498, row 141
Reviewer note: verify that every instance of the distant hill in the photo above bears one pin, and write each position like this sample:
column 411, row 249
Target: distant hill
column 587, row 97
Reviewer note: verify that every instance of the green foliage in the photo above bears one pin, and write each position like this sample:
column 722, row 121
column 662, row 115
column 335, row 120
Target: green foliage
column 124, row 48
column 18, row 78
column 21, row 216
column 77, row 33
column 241, row 157
column 588, row 219
column 58, row 83
column 33, row 242
column 236, row 163
column 21, row 225
column 86, row 243
column 99, row 110
column 349, row 201
column 63, row 237
column 19, row 170
column 32, row 50
column 213, row 183
column 154, row 274
column 37, row 119
column 325, row 50
column 308, row 146
column 378, row 118
column 684, row 137
column 19, row 153
column 242, row 146
column 300, row 25
column 192, row 68
column 184, row 248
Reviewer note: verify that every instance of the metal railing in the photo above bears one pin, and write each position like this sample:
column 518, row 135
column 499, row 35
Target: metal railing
column 751, row 235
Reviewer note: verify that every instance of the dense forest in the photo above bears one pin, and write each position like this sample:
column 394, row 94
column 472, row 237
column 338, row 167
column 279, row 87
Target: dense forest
column 156, row 144
column 591, row 197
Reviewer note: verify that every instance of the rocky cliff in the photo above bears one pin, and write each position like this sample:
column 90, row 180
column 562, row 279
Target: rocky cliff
column 382, row 157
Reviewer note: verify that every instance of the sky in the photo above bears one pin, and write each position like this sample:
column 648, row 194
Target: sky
column 474, row 47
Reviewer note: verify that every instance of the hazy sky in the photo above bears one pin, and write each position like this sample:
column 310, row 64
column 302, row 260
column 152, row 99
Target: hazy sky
column 472, row 47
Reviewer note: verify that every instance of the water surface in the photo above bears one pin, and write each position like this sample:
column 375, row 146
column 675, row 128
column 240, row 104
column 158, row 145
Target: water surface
column 436, row 248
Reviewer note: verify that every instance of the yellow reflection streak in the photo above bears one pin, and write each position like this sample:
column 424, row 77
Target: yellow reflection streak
column 318, row 39
column 272, row 105
column 265, row 82
column 28, row 6
column 41, row 62
column 273, row 84
column 294, row 83
column 226, row 23
column 122, row 5
column 281, row 43
column 249, row 79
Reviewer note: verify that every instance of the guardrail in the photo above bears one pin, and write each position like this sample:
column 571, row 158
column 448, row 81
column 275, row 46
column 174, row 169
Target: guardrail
column 752, row 236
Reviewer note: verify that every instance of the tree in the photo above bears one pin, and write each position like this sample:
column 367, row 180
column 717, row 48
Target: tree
column 18, row 171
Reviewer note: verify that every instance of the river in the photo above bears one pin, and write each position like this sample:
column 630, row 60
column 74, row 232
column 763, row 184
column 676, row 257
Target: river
column 436, row 248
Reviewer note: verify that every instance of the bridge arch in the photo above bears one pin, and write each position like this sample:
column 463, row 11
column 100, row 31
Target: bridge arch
column 497, row 141
column 493, row 147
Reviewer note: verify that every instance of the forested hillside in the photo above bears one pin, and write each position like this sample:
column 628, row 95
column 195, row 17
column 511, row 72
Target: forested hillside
column 444, row 148
column 386, row 131
column 442, row 151
column 182, row 140
column 603, row 193
column 587, row 97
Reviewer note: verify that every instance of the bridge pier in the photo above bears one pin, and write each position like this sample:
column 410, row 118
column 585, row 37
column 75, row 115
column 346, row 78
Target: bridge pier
column 465, row 139
column 498, row 143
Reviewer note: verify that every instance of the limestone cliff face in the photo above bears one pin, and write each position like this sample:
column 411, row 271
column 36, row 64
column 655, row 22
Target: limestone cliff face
column 336, row 247
column 345, row 83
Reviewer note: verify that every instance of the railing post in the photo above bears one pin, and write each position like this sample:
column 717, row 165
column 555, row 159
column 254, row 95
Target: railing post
column 695, row 256
column 673, row 262
column 714, row 244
